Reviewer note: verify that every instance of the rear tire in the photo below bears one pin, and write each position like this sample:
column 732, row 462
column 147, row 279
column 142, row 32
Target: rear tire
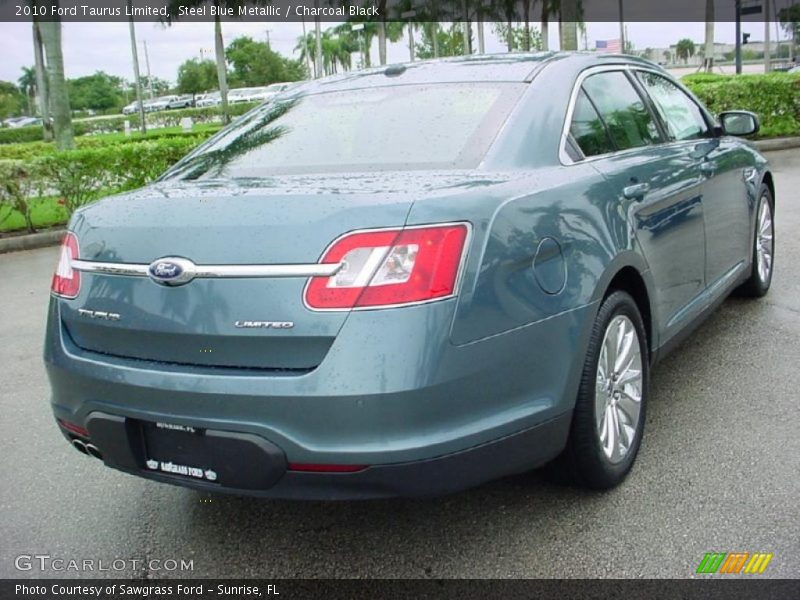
column 763, row 250
column 608, row 420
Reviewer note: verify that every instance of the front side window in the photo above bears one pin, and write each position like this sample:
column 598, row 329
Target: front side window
column 682, row 116
column 629, row 122
column 404, row 127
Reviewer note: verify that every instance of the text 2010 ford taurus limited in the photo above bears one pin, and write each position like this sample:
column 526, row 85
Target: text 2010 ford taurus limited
column 408, row 280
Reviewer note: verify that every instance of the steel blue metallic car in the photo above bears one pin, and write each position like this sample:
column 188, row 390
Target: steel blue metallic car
column 408, row 280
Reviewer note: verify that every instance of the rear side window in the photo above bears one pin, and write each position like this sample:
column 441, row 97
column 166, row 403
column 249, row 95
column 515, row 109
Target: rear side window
column 588, row 129
column 629, row 122
column 682, row 116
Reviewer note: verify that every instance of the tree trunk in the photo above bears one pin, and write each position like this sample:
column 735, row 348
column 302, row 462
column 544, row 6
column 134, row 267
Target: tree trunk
column 382, row 42
column 708, row 54
column 510, row 34
column 545, row 24
column 526, row 11
column 137, row 78
column 435, row 28
column 50, row 32
column 568, row 25
column 222, row 69
column 318, row 47
column 41, row 83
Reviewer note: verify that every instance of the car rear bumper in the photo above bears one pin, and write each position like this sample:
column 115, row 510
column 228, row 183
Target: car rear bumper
column 258, row 468
column 424, row 416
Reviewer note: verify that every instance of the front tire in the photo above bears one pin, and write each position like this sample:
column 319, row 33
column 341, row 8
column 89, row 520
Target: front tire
column 763, row 251
column 608, row 420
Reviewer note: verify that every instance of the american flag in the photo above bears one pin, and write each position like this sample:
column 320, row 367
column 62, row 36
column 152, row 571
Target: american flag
column 608, row 46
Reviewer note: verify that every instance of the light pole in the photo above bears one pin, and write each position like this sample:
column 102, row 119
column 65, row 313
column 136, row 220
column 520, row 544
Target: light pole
column 149, row 78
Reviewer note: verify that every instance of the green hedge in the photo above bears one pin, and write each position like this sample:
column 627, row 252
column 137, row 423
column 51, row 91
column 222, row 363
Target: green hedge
column 168, row 118
column 32, row 150
column 774, row 97
column 77, row 177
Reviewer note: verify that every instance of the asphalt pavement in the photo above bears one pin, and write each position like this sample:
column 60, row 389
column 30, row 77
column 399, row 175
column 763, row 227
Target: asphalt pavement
column 719, row 470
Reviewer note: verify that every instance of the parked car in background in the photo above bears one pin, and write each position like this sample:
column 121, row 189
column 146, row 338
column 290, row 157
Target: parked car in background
column 160, row 103
column 277, row 88
column 131, row 108
column 185, row 101
column 410, row 280
column 208, row 100
column 23, row 122
column 252, row 94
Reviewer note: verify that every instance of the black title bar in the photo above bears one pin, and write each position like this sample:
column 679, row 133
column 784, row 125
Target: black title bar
column 362, row 10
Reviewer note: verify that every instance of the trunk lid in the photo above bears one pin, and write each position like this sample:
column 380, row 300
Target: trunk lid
column 288, row 220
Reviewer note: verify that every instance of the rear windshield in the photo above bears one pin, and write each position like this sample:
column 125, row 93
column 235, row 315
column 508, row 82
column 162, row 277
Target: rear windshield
column 390, row 128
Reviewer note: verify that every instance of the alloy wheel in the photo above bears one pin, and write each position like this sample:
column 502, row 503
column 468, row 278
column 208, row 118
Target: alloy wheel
column 618, row 390
column 764, row 241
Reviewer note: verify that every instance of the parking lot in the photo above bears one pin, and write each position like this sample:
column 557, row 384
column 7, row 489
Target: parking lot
column 718, row 471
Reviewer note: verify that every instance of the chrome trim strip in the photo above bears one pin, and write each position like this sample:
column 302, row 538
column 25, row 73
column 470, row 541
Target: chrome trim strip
column 214, row 271
column 130, row 270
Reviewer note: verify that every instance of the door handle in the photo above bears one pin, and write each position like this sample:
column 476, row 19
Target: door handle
column 637, row 190
column 708, row 168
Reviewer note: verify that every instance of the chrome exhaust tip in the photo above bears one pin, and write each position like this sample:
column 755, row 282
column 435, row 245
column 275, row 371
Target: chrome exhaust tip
column 93, row 450
column 80, row 446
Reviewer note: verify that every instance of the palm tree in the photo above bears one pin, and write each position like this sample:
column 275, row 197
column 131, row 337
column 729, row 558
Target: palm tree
column 708, row 54
column 50, row 34
column 337, row 44
column 526, row 17
column 136, row 78
column 685, row 49
column 569, row 15
column 219, row 44
column 41, row 82
column 27, row 85
column 548, row 7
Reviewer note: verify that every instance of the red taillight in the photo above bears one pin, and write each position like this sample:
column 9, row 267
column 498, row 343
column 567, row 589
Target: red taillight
column 390, row 267
column 72, row 428
column 66, row 280
column 318, row 468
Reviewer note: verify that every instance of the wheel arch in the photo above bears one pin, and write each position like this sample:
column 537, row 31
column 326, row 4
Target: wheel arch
column 768, row 180
column 630, row 274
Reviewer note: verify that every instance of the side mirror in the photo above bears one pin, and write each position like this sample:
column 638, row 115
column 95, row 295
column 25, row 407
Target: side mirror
column 739, row 123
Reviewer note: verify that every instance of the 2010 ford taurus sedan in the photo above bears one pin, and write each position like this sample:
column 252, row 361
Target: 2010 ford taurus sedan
column 408, row 280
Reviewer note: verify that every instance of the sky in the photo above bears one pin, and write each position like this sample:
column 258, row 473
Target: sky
column 91, row 47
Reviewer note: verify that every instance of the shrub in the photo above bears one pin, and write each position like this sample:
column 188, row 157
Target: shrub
column 32, row 150
column 80, row 176
column 774, row 97
column 18, row 180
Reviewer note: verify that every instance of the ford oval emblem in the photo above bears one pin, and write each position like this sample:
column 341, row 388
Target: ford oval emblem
column 171, row 271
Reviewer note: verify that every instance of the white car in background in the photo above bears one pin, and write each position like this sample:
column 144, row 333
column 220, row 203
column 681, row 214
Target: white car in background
column 208, row 100
column 160, row 103
column 252, row 94
column 22, row 122
column 131, row 108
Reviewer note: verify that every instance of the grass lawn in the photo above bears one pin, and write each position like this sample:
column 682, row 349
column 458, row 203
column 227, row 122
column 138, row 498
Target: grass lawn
column 45, row 212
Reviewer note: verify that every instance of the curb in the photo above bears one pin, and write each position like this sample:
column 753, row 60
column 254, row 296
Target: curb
column 773, row 145
column 31, row 241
